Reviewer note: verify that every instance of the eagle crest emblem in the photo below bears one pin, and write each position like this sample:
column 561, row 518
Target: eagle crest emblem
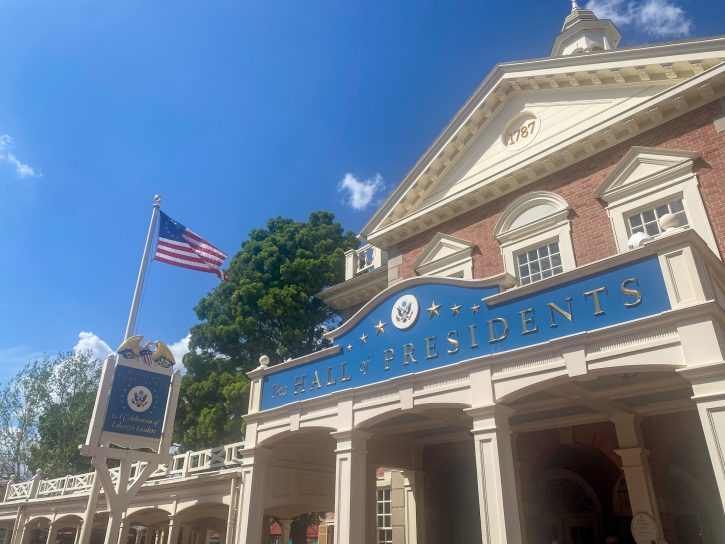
column 405, row 312
column 152, row 353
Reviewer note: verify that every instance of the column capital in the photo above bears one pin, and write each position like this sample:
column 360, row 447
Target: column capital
column 349, row 440
column 633, row 457
column 490, row 417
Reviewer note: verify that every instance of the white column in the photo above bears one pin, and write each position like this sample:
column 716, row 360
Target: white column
column 139, row 534
column 286, row 528
column 173, row 530
column 350, row 465
column 413, row 490
column 371, row 504
column 231, row 512
column 636, row 468
column 52, row 532
column 497, row 501
column 123, row 530
column 708, row 385
column 251, row 497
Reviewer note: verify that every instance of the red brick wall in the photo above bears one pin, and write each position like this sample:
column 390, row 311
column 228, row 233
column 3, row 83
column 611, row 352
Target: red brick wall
column 592, row 234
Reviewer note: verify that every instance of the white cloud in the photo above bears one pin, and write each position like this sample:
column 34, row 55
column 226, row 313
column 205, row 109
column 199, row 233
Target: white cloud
column 360, row 193
column 87, row 341
column 658, row 18
column 179, row 349
column 21, row 169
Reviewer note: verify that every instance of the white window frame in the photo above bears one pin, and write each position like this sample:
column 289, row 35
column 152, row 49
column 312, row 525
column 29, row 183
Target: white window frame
column 647, row 177
column 551, row 224
column 383, row 515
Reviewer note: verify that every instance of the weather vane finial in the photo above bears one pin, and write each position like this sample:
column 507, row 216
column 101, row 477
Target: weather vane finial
column 574, row 6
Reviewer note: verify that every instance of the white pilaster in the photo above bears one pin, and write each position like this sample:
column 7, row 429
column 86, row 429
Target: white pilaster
column 498, row 504
column 708, row 385
column 350, row 469
column 636, row 468
column 251, row 497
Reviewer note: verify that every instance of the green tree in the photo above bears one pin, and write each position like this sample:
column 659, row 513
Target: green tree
column 44, row 415
column 266, row 307
column 68, row 398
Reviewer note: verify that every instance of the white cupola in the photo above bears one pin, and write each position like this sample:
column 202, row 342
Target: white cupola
column 583, row 32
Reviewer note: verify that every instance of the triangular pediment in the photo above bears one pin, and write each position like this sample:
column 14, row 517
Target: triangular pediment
column 642, row 168
column 576, row 107
column 557, row 116
column 442, row 249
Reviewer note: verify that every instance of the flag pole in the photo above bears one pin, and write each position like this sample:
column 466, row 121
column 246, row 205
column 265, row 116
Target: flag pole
column 142, row 271
column 94, row 492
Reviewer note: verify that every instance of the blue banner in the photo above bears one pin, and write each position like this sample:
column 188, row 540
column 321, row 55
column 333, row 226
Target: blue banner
column 137, row 403
column 435, row 325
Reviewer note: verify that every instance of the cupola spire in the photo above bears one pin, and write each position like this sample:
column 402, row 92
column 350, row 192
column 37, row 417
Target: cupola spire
column 583, row 32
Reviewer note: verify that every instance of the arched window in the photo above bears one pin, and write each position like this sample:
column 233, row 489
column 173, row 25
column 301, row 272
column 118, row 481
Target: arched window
column 535, row 236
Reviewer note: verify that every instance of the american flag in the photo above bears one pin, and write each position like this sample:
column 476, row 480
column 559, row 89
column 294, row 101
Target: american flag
column 179, row 246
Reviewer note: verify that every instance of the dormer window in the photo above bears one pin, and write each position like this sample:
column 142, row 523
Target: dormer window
column 535, row 236
column 649, row 183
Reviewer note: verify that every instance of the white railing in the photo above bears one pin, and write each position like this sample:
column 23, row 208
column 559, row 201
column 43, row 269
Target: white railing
column 185, row 464
column 362, row 260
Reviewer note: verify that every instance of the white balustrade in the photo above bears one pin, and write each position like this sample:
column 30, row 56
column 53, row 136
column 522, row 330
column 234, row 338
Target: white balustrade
column 191, row 462
column 362, row 260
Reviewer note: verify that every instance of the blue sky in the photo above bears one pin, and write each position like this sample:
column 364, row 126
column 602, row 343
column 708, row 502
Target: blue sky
column 235, row 112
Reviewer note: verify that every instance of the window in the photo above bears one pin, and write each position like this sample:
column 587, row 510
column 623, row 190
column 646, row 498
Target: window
column 648, row 183
column 384, row 516
column 648, row 220
column 539, row 263
column 535, row 236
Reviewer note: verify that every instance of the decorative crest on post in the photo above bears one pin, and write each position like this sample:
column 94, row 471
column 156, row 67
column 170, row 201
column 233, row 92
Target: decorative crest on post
column 160, row 356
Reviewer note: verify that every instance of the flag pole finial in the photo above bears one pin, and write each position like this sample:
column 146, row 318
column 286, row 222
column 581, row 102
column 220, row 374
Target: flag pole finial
column 157, row 200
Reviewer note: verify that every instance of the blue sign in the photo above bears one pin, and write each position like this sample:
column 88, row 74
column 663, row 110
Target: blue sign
column 434, row 325
column 137, row 403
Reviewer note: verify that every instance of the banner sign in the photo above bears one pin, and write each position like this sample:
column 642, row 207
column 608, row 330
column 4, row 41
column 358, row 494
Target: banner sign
column 139, row 394
column 434, row 325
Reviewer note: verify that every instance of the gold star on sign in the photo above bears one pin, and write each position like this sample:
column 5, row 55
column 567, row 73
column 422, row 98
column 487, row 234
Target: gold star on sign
column 364, row 339
column 433, row 309
column 475, row 308
column 380, row 328
column 349, row 347
column 455, row 309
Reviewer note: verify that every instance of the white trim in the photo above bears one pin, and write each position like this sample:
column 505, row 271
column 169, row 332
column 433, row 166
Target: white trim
column 554, row 227
column 446, row 256
column 646, row 177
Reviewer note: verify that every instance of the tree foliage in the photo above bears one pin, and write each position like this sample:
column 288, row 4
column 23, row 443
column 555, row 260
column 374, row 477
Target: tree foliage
column 266, row 307
column 44, row 416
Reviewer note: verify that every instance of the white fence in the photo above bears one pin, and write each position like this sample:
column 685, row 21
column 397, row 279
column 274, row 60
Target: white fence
column 191, row 462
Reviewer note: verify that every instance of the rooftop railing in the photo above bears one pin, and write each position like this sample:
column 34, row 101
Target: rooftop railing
column 362, row 260
column 182, row 465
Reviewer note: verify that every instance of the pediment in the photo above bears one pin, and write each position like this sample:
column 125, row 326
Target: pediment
column 582, row 105
column 642, row 168
column 441, row 249
column 561, row 115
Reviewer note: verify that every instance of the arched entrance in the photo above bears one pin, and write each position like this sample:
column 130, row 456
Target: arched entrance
column 565, row 509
